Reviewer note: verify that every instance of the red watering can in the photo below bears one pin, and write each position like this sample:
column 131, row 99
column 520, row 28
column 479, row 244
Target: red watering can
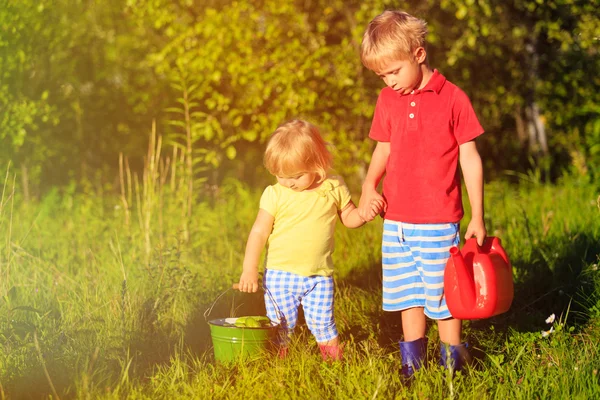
column 478, row 280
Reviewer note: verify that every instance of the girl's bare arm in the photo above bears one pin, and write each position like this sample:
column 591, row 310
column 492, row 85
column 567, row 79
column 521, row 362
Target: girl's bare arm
column 263, row 225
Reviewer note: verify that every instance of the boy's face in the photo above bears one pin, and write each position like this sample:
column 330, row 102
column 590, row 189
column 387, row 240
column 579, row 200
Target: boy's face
column 404, row 76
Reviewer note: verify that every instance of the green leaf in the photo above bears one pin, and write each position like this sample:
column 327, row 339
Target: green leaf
column 26, row 308
column 231, row 152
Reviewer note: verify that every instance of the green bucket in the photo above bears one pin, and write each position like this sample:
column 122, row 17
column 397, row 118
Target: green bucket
column 232, row 343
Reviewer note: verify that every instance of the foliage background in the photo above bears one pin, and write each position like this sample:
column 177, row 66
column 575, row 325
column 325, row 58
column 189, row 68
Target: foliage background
column 132, row 134
column 82, row 81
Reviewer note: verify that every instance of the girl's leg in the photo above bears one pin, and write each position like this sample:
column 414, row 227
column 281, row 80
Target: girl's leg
column 318, row 311
column 331, row 350
column 333, row 342
column 282, row 292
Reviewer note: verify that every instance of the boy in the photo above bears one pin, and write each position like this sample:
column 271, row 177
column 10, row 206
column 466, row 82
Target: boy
column 424, row 126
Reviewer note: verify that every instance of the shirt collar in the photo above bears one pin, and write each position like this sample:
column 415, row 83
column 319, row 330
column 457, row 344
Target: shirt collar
column 435, row 84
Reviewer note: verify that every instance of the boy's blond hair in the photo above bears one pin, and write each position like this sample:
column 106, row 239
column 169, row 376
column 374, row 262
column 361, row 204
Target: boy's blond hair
column 295, row 147
column 391, row 36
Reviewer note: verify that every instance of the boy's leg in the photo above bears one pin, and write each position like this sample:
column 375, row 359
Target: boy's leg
column 433, row 242
column 455, row 358
column 413, row 349
column 402, row 284
column 318, row 311
column 413, row 323
column 403, row 290
column 450, row 330
column 454, row 355
column 414, row 355
column 428, row 245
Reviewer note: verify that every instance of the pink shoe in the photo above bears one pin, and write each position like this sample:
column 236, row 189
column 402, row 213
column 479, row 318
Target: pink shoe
column 331, row 353
column 283, row 352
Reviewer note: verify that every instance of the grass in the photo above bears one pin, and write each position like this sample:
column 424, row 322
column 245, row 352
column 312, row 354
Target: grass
column 104, row 298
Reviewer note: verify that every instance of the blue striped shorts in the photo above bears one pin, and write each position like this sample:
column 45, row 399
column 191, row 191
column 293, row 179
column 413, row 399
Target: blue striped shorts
column 315, row 293
column 414, row 257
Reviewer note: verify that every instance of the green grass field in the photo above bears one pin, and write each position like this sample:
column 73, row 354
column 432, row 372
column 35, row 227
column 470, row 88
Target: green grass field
column 104, row 297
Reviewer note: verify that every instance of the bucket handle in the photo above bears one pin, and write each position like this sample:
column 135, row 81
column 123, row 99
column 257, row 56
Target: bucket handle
column 235, row 286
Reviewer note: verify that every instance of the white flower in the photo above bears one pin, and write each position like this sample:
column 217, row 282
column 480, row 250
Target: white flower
column 547, row 333
column 550, row 319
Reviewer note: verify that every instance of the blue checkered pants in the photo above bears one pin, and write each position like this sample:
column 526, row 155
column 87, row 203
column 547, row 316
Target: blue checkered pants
column 289, row 291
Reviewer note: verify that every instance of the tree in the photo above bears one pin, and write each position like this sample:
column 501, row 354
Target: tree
column 529, row 67
column 67, row 70
column 82, row 81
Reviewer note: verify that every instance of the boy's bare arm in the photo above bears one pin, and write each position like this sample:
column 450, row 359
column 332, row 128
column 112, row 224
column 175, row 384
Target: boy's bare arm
column 263, row 225
column 369, row 196
column 472, row 170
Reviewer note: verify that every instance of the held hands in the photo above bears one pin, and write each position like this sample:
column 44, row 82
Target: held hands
column 248, row 282
column 476, row 228
column 371, row 204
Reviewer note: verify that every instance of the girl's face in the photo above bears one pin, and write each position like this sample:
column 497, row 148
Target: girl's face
column 299, row 182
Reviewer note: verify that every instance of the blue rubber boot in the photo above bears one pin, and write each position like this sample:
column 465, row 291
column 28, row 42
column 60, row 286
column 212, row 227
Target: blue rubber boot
column 454, row 358
column 414, row 355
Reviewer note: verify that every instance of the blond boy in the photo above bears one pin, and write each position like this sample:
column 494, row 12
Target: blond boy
column 425, row 127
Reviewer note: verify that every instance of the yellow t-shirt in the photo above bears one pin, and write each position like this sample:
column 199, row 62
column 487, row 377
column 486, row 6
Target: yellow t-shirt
column 303, row 232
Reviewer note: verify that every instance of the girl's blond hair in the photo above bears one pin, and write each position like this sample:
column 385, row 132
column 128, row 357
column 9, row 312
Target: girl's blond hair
column 391, row 36
column 295, row 147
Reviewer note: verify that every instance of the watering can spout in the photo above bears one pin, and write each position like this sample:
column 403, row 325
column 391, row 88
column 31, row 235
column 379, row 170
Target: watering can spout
column 465, row 279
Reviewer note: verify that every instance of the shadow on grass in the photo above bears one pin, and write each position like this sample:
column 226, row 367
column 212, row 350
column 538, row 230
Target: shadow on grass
column 232, row 304
column 155, row 347
column 135, row 353
column 542, row 288
column 551, row 280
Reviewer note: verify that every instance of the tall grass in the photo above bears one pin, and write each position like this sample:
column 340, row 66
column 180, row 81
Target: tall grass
column 104, row 297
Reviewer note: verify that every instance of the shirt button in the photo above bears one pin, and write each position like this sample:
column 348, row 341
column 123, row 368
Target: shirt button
column 412, row 103
column 411, row 115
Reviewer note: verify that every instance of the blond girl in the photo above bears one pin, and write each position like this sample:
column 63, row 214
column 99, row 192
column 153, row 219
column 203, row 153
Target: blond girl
column 296, row 222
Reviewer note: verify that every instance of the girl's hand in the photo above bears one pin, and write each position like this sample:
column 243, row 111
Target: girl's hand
column 248, row 282
column 476, row 228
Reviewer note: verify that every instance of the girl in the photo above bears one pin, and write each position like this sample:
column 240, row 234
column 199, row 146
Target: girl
column 296, row 221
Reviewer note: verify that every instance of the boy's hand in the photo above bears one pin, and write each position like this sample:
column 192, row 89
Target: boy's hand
column 371, row 204
column 476, row 228
column 248, row 282
column 376, row 207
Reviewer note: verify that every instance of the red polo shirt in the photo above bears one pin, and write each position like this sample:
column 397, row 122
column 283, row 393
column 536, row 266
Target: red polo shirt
column 424, row 128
